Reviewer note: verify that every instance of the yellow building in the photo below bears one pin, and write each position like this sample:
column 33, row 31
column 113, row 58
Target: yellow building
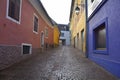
column 56, row 35
column 78, row 25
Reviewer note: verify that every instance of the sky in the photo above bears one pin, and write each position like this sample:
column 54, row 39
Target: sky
column 58, row 10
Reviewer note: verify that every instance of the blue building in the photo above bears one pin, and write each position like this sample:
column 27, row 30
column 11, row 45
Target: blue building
column 64, row 34
column 103, row 26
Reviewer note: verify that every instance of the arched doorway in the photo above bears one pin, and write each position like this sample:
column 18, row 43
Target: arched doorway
column 42, row 39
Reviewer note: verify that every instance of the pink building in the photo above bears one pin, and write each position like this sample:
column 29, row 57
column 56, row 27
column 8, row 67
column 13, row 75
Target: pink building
column 25, row 28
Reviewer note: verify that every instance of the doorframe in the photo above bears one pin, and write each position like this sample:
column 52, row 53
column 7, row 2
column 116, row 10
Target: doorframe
column 82, row 39
column 42, row 39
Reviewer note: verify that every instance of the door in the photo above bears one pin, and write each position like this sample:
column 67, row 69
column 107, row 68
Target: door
column 78, row 40
column 82, row 39
column 42, row 39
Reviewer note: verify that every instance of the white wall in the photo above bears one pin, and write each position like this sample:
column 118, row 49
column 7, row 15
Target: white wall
column 66, row 37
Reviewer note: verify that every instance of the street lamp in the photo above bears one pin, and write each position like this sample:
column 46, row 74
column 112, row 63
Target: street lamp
column 77, row 9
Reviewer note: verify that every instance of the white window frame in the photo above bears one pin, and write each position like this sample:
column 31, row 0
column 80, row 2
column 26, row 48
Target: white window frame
column 92, row 6
column 10, row 18
column 42, row 41
column 30, row 52
column 35, row 15
column 46, row 29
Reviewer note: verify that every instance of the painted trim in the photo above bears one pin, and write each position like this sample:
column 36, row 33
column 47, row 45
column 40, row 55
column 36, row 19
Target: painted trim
column 110, row 65
column 96, row 10
column 107, row 42
column 35, row 15
column 27, row 45
column 10, row 18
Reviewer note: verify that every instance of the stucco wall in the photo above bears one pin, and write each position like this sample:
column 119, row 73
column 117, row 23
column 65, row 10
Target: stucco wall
column 56, row 36
column 111, row 11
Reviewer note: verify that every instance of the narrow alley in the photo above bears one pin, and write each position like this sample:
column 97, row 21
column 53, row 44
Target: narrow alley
column 62, row 63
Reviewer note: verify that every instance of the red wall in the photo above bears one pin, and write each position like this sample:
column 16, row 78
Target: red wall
column 12, row 33
column 49, row 39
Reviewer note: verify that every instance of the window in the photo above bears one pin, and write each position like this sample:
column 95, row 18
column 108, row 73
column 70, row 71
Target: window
column 46, row 32
column 35, row 24
column 42, row 39
column 100, row 37
column 26, row 48
column 64, row 28
column 14, row 7
column 62, row 34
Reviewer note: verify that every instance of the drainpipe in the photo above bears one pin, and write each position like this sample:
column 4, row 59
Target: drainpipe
column 87, row 27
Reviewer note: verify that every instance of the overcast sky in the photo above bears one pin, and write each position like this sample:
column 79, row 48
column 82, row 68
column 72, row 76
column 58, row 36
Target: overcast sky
column 58, row 10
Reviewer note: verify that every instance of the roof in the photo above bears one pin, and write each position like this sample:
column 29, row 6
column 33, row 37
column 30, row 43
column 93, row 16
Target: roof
column 41, row 10
column 63, row 27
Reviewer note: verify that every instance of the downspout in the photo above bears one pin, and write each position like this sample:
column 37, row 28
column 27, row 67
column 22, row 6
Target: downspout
column 87, row 28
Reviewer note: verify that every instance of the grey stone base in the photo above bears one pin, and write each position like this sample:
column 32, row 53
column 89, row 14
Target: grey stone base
column 10, row 55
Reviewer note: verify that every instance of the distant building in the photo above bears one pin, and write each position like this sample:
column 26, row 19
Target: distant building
column 64, row 34
column 56, row 34
column 103, row 34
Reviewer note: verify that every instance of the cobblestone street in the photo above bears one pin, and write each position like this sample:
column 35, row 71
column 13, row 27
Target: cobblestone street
column 62, row 63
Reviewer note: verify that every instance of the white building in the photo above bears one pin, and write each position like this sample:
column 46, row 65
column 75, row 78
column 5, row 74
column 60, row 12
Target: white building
column 65, row 34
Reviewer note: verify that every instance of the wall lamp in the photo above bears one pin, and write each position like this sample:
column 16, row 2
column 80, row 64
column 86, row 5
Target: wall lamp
column 77, row 9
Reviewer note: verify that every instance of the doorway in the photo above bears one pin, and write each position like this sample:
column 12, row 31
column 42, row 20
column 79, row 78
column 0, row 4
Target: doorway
column 82, row 39
column 42, row 39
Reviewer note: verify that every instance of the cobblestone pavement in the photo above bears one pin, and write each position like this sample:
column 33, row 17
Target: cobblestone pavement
column 63, row 63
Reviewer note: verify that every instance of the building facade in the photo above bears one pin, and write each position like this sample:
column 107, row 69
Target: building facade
column 64, row 34
column 25, row 28
column 103, row 30
column 56, row 35
column 78, row 25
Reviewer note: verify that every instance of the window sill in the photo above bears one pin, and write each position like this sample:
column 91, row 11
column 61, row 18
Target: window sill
column 105, row 52
column 35, row 32
column 13, row 20
column 46, row 37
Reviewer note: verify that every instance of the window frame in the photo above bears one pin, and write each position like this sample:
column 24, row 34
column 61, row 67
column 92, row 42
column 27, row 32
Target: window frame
column 25, row 44
column 82, row 38
column 34, row 24
column 91, row 14
column 9, row 17
column 42, row 39
column 97, row 51
column 46, row 32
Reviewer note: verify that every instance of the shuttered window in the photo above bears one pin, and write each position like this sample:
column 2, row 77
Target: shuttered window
column 14, row 9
